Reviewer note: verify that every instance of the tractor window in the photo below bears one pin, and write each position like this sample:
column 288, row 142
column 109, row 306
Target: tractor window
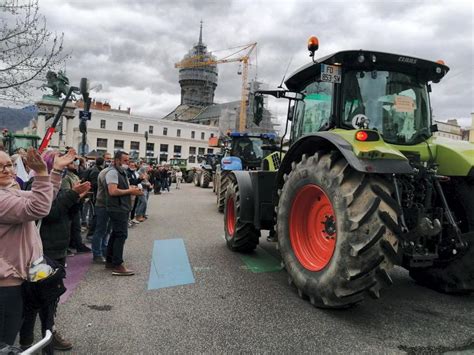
column 249, row 149
column 395, row 104
column 313, row 114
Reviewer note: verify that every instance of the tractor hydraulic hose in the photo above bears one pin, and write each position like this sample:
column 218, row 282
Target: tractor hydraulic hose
column 449, row 214
column 399, row 200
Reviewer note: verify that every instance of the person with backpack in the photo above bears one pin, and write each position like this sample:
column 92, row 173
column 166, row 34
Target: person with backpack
column 91, row 175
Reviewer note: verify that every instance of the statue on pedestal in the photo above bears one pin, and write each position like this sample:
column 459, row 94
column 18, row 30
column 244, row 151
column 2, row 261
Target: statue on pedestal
column 59, row 83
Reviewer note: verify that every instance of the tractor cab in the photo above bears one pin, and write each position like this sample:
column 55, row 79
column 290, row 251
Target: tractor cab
column 12, row 142
column 362, row 89
column 250, row 149
column 367, row 90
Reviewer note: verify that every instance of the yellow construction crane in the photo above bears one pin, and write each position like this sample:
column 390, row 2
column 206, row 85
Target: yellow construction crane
column 202, row 61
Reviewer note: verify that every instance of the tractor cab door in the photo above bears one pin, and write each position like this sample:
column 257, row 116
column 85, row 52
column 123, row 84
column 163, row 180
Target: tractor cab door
column 315, row 112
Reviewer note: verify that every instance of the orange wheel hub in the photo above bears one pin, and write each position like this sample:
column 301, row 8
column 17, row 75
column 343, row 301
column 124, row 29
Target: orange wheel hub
column 230, row 214
column 312, row 228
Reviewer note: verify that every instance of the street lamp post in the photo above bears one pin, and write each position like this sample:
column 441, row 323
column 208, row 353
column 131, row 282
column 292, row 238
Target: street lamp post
column 84, row 115
column 146, row 146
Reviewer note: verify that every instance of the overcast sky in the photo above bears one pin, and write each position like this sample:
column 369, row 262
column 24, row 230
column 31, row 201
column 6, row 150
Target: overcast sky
column 130, row 47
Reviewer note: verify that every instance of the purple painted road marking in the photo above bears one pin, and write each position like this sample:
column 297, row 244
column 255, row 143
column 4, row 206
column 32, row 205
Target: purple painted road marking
column 77, row 267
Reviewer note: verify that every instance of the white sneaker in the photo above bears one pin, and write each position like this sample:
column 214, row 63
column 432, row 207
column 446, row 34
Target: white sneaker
column 135, row 221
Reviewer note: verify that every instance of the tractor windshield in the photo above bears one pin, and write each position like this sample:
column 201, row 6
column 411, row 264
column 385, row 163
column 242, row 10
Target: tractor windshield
column 395, row 104
column 23, row 142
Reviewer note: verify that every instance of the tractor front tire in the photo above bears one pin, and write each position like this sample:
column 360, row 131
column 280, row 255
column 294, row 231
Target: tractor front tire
column 190, row 177
column 457, row 276
column 239, row 236
column 334, row 228
column 205, row 179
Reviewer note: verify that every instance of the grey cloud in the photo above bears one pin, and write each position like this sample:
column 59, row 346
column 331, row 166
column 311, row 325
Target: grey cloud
column 135, row 44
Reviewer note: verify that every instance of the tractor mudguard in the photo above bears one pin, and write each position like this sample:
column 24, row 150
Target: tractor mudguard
column 246, row 195
column 310, row 144
column 256, row 197
column 455, row 158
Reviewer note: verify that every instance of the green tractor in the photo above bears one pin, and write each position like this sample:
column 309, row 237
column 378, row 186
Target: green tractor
column 364, row 185
column 182, row 164
column 12, row 142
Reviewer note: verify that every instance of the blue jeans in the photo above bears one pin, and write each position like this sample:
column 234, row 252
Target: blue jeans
column 102, row 229
column 142, row 204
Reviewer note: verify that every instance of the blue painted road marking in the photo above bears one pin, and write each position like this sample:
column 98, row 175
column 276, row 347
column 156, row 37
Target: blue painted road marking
column 169, row 265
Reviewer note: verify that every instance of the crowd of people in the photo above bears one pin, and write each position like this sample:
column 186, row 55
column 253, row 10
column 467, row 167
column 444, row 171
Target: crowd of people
column 48, row 201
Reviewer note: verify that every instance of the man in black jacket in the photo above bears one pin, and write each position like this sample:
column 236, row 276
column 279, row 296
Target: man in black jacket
column 118, row 205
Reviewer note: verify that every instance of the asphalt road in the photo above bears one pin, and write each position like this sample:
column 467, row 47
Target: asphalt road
column 230, row 309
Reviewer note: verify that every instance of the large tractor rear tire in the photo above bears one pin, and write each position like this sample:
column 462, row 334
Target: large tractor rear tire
column 334, row 228
column 197, row 178
column 189, row 177
column 221, row 189
column 457, row 276
column 239, row 236
column 205, row 179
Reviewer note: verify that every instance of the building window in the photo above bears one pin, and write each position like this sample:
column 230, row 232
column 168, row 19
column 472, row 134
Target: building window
column 150, row 149
column 165, row 131
column 135, row 127
column 200, row 151
column 210, row 151
column 118, row 144
column 119, row 126
column 192, row 150
column 177, row 151
column 163, row 148
column 163, row 157
column 178, row 133
column 102, row 124
column 203, row 135
column 101, row 142
column 212, row 135
column 134, row 145
column 192, row 159
column 150, row 129
column 193, row 134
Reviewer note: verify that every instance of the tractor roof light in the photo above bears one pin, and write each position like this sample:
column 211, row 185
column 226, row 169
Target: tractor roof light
column 313, row 45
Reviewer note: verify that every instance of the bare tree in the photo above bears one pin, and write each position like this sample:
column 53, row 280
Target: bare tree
column 27, row 48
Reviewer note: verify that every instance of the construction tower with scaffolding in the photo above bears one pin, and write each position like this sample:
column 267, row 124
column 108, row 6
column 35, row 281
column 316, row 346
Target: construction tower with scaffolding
column 198, row 84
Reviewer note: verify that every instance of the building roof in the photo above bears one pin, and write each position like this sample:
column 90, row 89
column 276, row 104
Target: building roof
column 214, row 111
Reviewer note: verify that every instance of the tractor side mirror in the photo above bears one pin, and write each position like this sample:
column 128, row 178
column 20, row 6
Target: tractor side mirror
column 258, row 109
